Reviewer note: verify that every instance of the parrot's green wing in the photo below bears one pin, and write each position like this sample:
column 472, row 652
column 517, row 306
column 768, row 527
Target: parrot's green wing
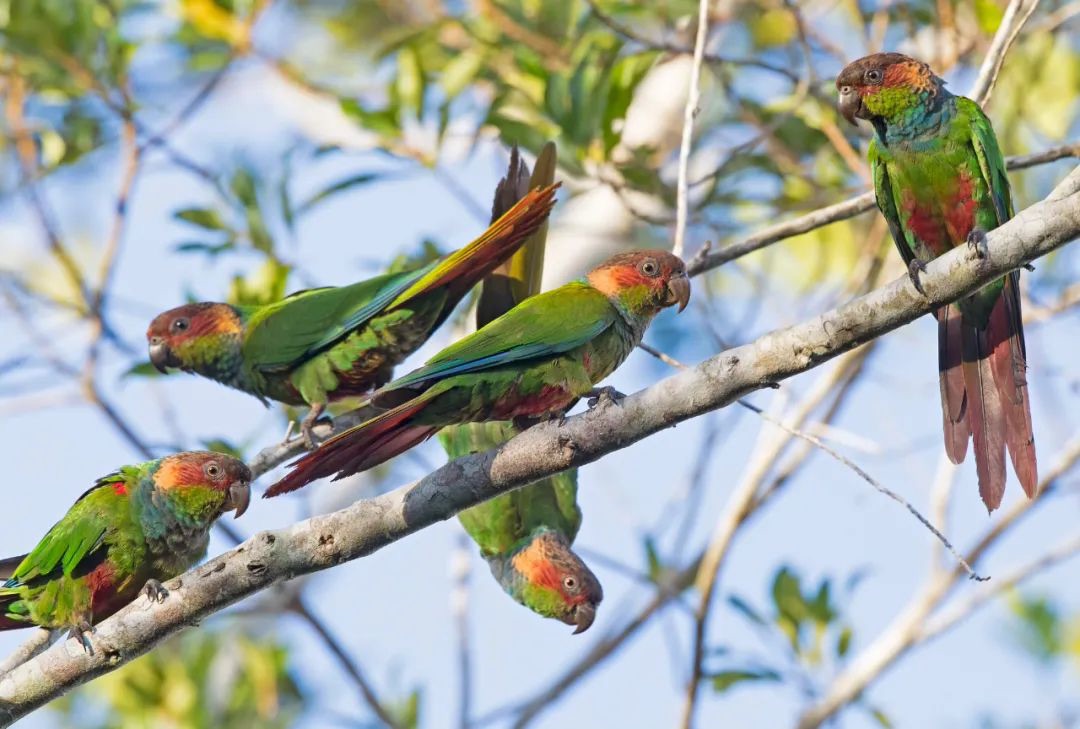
column 284, row 335
column 886, row 202
column 991, row 161
column 550, row 323
column 74, row 542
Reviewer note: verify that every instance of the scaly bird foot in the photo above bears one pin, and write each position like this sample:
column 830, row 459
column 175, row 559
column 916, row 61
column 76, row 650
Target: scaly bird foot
column 606, row 395
column 155, row 591
column 916, row 267
column 81, row 632
column 308, row 424
column 976, row 242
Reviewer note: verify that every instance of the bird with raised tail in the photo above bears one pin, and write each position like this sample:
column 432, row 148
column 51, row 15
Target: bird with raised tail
column 533, row 362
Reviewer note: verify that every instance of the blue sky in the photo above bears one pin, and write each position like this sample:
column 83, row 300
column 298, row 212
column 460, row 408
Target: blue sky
column 392, row 609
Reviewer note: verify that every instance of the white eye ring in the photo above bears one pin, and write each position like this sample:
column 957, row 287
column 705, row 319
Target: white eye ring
column 845, row 90
column 569, row 583
column 213, row 470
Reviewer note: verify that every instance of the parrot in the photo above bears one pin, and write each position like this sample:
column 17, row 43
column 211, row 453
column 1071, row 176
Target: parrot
column 940, row 181
column 525, row 536
column 533, row 362
column 134, row 528
column 328, row 343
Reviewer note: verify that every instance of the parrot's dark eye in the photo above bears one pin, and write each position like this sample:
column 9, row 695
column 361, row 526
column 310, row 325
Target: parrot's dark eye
column 650, row 268
column 570, row 583
column 873, row 76
column 180, row 325
column 213, row 470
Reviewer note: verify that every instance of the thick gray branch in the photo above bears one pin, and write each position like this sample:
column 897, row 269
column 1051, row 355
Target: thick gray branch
column 364, row 527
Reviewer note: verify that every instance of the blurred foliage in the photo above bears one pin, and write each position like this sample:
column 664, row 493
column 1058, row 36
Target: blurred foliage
column 1043, row 630
column 206, row 679
column 422, row 82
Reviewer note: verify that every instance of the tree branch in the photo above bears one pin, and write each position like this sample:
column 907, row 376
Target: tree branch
column 358, row 530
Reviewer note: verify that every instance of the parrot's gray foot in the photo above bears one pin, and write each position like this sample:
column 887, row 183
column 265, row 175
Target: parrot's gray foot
column 914, row 269
column 1028, row 267
column 308, row 424
column 976, row 242
column 81, row 632
column 155, row 591
column 606, row 395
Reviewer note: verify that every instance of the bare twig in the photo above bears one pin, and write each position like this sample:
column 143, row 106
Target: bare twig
column 841, row 211
column 693, row 98
column 1011, row 22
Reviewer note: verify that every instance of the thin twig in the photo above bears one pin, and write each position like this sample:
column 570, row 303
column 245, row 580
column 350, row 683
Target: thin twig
column 300, row 608
column 1011, row 22
column 693, row 97
column 859, row 471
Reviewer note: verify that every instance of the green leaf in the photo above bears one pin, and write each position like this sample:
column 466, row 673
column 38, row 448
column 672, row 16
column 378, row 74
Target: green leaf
column 1040, row 630
column 383, row 122
column 746, row 610
column 342, row 185
column 140, row 369
column 652, row 559
column 843, row 642
column 881, row 717
column 726, row 679
column 244, row 187
column 410, row 81
column 460, row 72
column 203, row 217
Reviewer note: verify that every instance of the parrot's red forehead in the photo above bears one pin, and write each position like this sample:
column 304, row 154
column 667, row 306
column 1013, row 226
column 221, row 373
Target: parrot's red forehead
column 194, row 320
column 626, row 270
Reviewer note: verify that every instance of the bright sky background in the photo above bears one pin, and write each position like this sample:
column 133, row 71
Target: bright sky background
column 392, row 609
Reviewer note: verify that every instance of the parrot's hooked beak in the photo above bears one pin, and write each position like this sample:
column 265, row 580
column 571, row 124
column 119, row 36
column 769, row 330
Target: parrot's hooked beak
column 161, row 356
column 238, row 499
column 584, row 615
column 850, row 104
column 678, row 291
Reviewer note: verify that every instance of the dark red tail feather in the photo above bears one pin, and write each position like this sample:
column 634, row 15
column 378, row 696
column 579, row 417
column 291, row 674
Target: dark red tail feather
column 951, row 376
column 359, row 448
column 1005, row 335
column 984, row 394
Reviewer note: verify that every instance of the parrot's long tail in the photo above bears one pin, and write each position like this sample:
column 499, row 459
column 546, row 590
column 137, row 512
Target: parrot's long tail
column 464, row 268
column 984, row 394
column 359, row 448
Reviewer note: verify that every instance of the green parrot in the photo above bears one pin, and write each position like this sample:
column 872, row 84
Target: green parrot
column 940, row 182
column 132, row 530
column 534, row 361
column 526, row 535
column 329, row 343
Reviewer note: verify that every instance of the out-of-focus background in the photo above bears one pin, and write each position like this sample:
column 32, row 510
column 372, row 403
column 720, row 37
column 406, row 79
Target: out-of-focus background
column 154, row 153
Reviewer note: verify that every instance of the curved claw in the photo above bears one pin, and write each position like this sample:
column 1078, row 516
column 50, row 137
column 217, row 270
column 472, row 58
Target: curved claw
column 81, row 631
column 976, row 242
column 916, row 267
column 606, row 395
column 155, row 591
